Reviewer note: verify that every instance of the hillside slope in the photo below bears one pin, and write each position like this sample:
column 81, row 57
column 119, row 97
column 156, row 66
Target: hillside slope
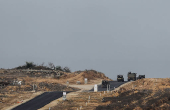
column 90, row 75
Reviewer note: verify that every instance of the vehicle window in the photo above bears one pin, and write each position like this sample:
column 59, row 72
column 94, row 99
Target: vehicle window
column 120, row 76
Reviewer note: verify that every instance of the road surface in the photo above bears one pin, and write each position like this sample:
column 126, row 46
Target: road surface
column 45, row 98
column 112, row 85
column 40, row 101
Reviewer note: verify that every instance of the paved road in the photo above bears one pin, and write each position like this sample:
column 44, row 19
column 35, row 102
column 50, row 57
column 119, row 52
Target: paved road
column 40, row 101
column 47, row 97
column 112, row 85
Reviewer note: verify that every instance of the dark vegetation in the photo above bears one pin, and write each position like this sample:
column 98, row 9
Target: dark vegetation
column 31, row 65
column 51, row 66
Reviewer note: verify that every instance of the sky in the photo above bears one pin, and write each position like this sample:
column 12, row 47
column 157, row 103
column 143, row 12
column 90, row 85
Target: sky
column 110, row 36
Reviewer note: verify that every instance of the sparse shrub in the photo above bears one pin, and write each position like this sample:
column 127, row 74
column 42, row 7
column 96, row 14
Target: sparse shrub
column 59, row 68
column 30, row 65
column 51, row 65
column 66, row 69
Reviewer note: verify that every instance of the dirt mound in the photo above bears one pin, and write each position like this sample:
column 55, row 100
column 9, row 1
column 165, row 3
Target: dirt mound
column 149, row 83
column 142, row 94
column 90, row 75
column 141, row 100
column 1, row 70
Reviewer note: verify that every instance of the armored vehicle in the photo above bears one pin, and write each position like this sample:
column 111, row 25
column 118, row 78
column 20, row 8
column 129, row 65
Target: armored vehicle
column 105, row 83
column 131, row 76
column 120, row 78
column 141, row 76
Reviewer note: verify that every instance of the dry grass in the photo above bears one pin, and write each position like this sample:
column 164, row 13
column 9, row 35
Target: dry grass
column 1, row 70
column 90, row 75
column 80, row 101
column 143, row 94
column 14, row 94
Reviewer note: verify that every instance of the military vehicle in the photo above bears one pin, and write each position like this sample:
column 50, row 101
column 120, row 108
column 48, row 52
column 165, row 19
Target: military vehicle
column 105, row 83
column 120, row 78
column 131, row 76
column 141, row 76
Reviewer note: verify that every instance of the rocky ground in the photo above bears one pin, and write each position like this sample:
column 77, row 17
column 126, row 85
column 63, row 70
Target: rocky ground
column 17, row 87
column 143, row 94
column 13, row 94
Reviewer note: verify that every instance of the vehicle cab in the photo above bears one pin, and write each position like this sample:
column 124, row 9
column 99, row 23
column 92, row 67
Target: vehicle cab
column 120, row 78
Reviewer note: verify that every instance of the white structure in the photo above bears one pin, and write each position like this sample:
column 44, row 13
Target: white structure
column 64, row 95
column 85, row 80
column 95, row 88
column 19, row 82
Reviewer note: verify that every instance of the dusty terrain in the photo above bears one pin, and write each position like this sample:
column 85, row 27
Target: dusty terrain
column 12, row 93
column 71, row 95
column 143, row 94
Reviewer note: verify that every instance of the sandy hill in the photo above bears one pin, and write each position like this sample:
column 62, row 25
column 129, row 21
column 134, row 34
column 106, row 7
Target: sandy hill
column 13, row 92
column 1, row 70
column 90, row 75
column 143, row 94
column 149, row 83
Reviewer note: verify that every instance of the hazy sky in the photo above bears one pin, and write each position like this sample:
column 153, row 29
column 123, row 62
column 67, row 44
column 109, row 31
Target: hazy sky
column 111, row 36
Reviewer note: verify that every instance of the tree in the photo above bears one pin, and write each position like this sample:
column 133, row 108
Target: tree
column 51, row 65
column 30, row 65
column 66, row 69
column 59, row 68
